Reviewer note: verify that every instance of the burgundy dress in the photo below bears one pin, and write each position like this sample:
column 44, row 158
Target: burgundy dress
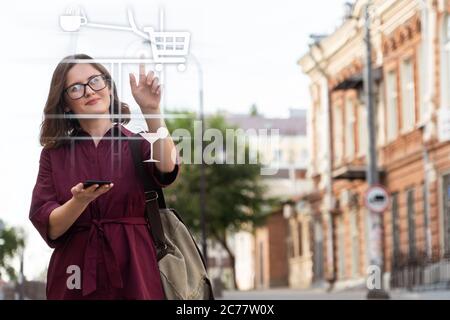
column 110, row 242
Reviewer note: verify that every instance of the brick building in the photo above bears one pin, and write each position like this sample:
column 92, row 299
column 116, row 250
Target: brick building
column 271, row 269
column 300, row 245
column 261, row 257
column 411, row 60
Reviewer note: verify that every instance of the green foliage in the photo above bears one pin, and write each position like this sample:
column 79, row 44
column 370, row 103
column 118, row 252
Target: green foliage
column 11, row 241
column 234, row 192
column 254, row 110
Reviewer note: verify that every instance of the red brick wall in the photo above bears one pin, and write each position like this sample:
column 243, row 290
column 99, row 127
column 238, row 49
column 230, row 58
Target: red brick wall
column 273, row 256
column 400, row 179
column 441, row 158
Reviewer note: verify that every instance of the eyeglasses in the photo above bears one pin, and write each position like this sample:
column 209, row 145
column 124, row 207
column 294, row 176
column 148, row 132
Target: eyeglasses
column 78, row 90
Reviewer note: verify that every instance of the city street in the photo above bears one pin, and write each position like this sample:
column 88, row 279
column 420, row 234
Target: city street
column 321, row 294
column 260, row 146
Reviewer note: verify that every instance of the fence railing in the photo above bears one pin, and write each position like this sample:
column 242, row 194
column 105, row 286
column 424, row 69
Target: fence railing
column 416, row 273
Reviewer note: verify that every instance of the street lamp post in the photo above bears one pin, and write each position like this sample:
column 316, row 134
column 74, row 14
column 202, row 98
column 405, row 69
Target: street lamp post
column 202, row 166
column 375, row 240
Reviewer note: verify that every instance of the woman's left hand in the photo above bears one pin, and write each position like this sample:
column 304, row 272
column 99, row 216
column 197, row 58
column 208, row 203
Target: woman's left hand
column 148, row 92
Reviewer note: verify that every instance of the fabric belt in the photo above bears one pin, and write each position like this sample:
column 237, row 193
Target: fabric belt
column 98, row 236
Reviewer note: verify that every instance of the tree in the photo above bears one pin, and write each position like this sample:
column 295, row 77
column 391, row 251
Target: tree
column 254, row 110
column 11, row 241
column 234, row 192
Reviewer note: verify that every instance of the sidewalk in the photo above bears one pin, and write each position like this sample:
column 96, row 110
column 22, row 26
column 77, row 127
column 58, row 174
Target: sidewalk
column 321, row 294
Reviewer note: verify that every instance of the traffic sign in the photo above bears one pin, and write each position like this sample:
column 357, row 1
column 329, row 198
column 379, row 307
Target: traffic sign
column 377, row 198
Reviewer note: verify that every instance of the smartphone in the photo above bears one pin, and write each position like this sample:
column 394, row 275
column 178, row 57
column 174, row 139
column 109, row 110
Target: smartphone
column 89, row 183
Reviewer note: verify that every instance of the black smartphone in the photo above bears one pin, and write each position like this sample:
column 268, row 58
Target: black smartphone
column 89, row 183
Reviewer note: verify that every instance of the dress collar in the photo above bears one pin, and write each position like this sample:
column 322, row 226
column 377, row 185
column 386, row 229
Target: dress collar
column 114, row 131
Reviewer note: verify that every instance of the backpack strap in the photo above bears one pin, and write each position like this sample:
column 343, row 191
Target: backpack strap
column 152, row 193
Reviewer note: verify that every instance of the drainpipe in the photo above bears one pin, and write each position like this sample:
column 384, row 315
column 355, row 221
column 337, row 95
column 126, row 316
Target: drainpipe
column 329, row 180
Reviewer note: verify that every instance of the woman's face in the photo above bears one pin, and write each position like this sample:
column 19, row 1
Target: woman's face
column 92, row 102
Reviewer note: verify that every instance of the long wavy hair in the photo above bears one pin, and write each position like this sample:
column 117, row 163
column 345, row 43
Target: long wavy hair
column 56, row 129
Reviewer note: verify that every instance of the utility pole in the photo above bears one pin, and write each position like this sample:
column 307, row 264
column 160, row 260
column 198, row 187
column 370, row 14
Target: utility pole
column 203, row 221
column 375, row 219
column 202, row 169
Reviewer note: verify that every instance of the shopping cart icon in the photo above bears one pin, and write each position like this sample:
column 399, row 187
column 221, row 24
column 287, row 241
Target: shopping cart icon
column 166, row 46
column 169, row 47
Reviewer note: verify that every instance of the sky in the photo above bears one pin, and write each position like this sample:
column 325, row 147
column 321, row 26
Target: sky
column 247, row 50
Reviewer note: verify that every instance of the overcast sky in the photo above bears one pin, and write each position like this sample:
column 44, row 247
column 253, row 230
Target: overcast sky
column 248, row 51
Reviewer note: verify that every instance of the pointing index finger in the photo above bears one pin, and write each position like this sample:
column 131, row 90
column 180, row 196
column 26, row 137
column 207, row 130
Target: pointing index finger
column 142, row 72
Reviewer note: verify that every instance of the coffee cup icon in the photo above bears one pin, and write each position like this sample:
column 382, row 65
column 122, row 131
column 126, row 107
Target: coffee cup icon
column 71, row 23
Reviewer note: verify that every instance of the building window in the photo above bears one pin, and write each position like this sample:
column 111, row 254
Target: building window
column 421, row 83
column 362, row 129
column 278, row 156
column 411, row 223
column 355, row 242
column 338, row 134
column 304, row 156
column 318, row 251
column 349, row 128
column 341, row 247
column 408, row 103
column 320, row 136
column 300, row 239
column 391, row 98
column 289, row 241
column 446, row 224
column 380, row 125
column 395, row 230
column 314, row 142
column 426, row 217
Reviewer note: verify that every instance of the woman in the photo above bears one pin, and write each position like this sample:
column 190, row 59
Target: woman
column 103, row 249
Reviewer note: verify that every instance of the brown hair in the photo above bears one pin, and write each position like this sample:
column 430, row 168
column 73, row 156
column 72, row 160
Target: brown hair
column 56, row 130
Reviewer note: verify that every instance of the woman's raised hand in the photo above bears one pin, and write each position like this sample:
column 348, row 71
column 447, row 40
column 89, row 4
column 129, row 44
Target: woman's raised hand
column 89, row 194
column 147, row 92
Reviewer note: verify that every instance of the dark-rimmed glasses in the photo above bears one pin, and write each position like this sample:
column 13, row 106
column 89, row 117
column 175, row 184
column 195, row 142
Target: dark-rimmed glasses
column 78, row 90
